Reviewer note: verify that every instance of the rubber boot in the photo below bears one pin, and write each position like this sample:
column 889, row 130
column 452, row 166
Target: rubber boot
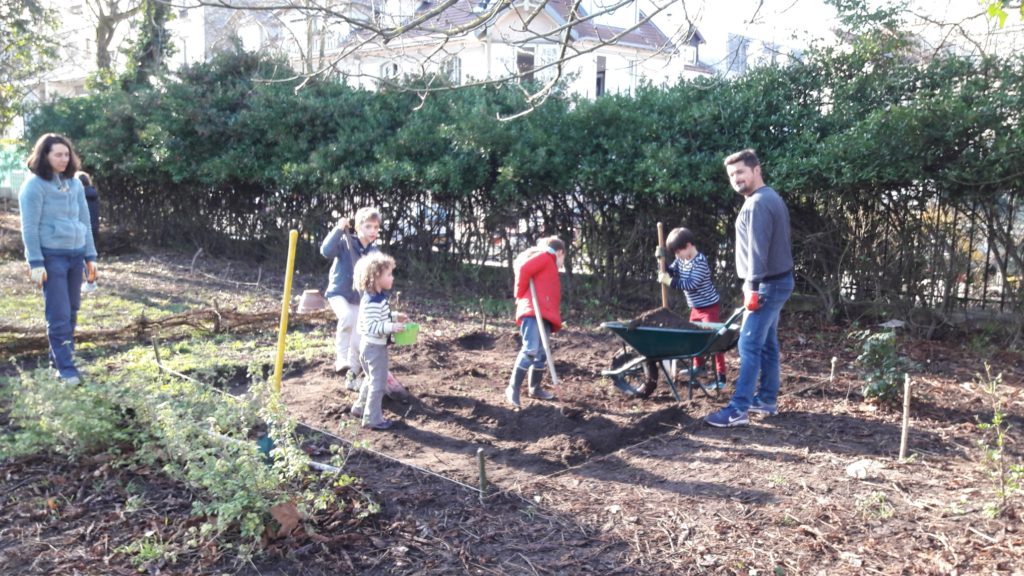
column 514, row 384
column 536, row 374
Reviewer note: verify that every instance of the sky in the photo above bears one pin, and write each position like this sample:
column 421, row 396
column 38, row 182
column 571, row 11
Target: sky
column 798, row 23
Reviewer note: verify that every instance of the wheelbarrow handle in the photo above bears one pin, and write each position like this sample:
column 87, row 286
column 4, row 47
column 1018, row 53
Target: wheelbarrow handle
column 736, row 315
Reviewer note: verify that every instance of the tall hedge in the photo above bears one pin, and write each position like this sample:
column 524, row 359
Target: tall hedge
column 903, row 175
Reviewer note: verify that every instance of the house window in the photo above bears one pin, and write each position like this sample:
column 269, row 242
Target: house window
column 451, row 68
column 634, row 75
column 389, row 70
column 599, row 88
column 525, row 64
column 737, row 57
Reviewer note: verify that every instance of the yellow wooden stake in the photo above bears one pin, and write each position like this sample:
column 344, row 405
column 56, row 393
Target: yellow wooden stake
column 282, row 334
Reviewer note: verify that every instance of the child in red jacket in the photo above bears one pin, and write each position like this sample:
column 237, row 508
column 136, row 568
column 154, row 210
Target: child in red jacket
column 541, row 265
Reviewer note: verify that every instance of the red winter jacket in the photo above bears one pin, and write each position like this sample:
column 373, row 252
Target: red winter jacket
column 542, row 268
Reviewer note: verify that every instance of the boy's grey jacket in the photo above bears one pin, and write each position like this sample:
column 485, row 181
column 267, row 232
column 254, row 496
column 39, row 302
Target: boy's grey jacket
column 345, row 249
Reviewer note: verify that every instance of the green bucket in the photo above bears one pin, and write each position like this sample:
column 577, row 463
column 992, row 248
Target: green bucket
column 408, row 336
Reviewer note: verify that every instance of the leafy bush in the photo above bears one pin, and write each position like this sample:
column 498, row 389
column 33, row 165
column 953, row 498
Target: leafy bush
column 72, row 420
column 195, row 434
column 883, row 368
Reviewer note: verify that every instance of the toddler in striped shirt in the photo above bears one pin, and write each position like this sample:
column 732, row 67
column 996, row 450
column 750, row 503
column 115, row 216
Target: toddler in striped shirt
column 374, row 277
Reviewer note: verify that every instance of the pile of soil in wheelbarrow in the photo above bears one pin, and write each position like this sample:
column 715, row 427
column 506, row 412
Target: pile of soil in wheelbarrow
column 662, row 318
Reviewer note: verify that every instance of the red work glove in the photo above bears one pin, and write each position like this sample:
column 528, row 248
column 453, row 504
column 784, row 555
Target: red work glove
column 752, row 303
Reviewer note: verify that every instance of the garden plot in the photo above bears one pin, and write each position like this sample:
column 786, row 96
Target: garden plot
column 456, row 380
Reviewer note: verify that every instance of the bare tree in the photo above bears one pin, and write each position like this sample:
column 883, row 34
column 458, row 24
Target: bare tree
column 109, row 14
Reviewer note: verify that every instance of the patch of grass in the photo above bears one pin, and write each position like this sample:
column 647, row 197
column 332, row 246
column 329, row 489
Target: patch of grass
column 23, row 309
column 149, row 550
column 875, row 505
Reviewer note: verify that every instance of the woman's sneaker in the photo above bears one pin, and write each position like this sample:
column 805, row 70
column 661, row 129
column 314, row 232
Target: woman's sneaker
column 758, row 407
column 727, row 417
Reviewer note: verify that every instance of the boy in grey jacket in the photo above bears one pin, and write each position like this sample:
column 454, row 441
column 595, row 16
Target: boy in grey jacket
column 346, row 248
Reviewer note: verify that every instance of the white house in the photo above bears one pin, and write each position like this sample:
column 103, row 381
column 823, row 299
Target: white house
column 472, row 41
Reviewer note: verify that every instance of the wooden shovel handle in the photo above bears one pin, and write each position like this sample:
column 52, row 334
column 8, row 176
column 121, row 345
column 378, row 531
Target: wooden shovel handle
column 661, row 264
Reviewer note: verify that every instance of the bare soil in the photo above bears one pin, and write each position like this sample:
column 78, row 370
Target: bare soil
column 594, row 482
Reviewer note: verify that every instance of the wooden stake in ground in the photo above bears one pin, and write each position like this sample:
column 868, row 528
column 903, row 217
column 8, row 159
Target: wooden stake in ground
column 661, row 264
column 906, row 417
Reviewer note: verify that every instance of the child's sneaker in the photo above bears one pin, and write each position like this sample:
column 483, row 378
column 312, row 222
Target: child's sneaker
column 382, row 425
column 341, row 369
column 352, row 382
column 357, row 411
column 758, row 407
column 727, row 417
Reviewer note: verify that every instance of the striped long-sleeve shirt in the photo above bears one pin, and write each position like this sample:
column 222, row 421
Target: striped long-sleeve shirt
column 694, row 279
column 375, row 321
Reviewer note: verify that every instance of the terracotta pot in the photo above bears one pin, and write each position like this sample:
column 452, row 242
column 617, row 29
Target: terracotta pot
column 311, row 301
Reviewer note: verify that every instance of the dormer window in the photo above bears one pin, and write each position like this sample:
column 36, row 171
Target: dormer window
column 525, row 63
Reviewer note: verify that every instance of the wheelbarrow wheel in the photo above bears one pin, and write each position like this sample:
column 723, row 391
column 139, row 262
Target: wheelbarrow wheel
column 642, row 379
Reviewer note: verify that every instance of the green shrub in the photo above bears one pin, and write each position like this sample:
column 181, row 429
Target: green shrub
column 883, row 369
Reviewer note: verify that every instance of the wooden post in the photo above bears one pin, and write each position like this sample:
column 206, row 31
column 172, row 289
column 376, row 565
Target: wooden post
column 483, row 472
column 906, row 417
column 661, row 264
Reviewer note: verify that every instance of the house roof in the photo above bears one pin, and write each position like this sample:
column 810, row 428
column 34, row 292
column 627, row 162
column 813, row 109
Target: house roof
column 464, row 12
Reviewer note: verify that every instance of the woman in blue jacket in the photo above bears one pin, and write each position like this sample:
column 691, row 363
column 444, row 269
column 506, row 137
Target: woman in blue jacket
column 59, row 246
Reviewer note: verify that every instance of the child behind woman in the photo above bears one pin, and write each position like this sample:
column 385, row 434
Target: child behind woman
column 374, row 276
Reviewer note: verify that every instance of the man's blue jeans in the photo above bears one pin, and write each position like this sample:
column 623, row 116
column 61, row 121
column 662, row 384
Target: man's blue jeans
column 532, row 352
column 759, row 346
column 62, row 293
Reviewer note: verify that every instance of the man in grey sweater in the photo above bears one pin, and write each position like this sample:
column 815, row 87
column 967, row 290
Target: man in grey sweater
column 764, row 260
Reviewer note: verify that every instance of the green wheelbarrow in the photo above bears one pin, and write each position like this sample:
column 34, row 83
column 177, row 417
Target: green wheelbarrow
column 632, row 369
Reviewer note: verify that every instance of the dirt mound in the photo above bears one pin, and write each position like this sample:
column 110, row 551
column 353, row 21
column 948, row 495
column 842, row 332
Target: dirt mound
column 661, row 318
column 476, row 341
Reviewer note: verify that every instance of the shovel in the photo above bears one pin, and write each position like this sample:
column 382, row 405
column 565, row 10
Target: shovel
column 661, row 264
column 544, row 334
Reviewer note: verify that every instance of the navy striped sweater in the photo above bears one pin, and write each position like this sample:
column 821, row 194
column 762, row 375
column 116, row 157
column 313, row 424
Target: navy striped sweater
column 694, row 279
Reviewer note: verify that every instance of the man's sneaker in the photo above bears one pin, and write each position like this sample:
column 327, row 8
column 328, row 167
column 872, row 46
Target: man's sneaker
column 382, row 425
column 759, row 407
column 341, row 369
column 541, row 394
column 357, row 411
column 352, row 382
column 727, row 417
